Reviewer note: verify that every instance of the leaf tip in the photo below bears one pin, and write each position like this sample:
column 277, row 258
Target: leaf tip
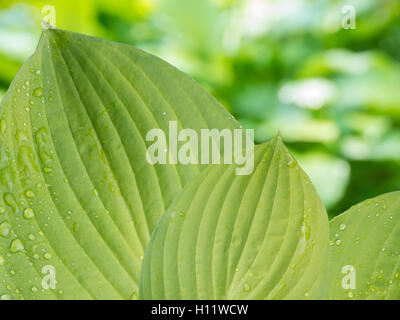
column 277, row 140
column 47, row 25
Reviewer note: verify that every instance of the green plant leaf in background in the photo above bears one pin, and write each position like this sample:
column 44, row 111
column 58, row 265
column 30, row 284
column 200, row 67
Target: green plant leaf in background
column 262, row 236
column 76, row 191
column 365, row 243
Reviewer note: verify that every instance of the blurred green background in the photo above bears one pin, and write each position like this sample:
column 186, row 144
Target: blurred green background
column 288, row 66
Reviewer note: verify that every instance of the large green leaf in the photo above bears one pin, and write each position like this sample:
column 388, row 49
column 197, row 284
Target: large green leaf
column 365, row 258
column 262, row 236
column 76, row 190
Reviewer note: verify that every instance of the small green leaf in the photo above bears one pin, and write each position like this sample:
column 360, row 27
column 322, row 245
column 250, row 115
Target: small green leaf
column 365, row 251
column 262, row 236
column 76, row 190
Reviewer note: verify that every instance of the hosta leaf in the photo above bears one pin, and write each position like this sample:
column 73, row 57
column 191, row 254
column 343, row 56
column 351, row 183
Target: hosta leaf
column 262, row 236
column 365, row 243
column 77, row 193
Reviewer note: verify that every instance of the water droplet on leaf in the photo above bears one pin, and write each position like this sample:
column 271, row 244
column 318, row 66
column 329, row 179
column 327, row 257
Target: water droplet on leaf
column 29, row 214
column 16, row 246
column 38, row 92
column 5, row 228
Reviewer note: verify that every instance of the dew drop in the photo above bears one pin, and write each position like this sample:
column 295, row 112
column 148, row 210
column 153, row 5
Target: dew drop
column 2, row 261
column 246, row 287
column 5, row 297
column 342, row 227
column 30, row 194
column 134, row 296
column 38, row 92
column 182, row 214
column 29, row 214
column 10, row 201
column 48, row 256
column 291, row 163
column 338, row 242
column 372, row 289
column 5, row 229
column 16, row 246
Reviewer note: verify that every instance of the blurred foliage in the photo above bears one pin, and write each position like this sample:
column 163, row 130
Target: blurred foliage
column 288, row 66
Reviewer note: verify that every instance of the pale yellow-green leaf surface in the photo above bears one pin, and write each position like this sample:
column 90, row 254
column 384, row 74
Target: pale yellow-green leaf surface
column 262, row 236
column 76, row 191
column 365, row 251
